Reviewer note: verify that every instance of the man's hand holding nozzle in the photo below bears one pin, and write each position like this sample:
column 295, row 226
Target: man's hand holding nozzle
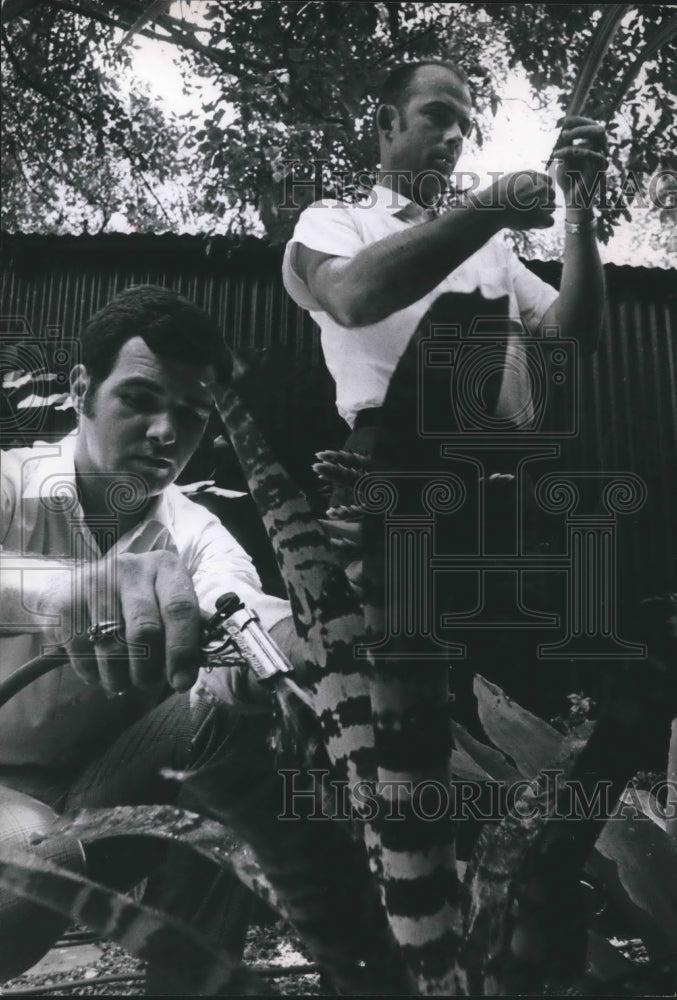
column 128, row 620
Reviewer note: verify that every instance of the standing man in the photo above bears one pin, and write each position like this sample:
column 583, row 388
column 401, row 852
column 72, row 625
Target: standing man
column 103, row 558
column 368, row 273
column 371, row 273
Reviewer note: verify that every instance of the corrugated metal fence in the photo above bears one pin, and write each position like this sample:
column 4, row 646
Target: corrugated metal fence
column 628, row 391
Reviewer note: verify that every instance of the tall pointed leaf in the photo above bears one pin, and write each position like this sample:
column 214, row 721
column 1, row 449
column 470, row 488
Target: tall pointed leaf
column 599, row 44
column 529, row 740
column 490, row 762
column 410, row 499
column 639, row 867
column 327, row 615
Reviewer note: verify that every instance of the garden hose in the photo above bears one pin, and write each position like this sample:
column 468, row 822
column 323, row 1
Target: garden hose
column 29, row 672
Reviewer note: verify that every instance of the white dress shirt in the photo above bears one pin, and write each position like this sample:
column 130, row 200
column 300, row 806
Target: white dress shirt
column 41, row 515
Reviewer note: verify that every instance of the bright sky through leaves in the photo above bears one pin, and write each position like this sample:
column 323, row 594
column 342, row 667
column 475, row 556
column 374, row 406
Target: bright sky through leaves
column 521, row 136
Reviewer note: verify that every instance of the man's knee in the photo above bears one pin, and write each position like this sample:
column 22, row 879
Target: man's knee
column 28, row 930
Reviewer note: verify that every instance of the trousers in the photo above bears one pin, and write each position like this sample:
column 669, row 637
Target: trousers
column 180, row 734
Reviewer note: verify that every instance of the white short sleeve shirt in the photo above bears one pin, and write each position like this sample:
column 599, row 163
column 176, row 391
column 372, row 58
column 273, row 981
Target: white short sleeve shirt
column 362, row 360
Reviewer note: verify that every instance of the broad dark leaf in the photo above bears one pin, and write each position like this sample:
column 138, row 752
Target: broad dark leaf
column 530, row 741
column 638, row 864
column 487, row 761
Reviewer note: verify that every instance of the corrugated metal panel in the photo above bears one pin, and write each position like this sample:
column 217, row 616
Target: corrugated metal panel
column 628, row 391
column 55, row 284
column 629, row 419
column 251, row 308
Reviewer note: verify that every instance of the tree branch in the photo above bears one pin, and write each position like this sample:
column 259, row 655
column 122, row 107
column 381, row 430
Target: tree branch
column 84, row 116
column 183, row 37
column 403, row 45
column 665, row 35
column 86, row 10
column 93, row 13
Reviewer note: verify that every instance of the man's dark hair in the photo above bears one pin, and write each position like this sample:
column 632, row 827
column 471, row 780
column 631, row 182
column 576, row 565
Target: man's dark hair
column 172, row 327
column 398, row 84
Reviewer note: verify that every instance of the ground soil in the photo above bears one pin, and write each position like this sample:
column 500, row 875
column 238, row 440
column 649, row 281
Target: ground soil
column 272, row 945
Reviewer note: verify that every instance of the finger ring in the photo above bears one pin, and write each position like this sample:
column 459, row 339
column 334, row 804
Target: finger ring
column 116, row 694
column 103, row 630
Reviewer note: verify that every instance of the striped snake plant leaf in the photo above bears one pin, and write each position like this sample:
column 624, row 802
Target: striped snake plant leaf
column 343, row 711
column 206, row 836
column 327, row 615
column 412, row 486
column 599, row 44
column 195, row 968
column 316, row 863
column 341, row 922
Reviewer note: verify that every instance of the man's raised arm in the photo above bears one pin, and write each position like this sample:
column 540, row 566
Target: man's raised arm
column 399, row 269
column 579, row 309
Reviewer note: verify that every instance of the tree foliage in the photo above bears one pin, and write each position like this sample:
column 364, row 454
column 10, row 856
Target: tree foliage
column 76, row 148
column 294, row 83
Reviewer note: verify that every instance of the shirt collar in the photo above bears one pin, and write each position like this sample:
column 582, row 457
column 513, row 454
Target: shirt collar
column 48, row 470
column 49, row 475
column 399, row 205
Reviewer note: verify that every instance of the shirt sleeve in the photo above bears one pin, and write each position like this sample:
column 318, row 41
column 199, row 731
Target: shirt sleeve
column 328, row 227
column 534, row 296
column 220, row 565
column 10, row 476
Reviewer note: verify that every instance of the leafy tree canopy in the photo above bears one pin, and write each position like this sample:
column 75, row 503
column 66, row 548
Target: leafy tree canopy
column 294, row 82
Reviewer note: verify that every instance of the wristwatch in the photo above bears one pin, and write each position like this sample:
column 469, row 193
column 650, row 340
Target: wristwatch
column 580, row 227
